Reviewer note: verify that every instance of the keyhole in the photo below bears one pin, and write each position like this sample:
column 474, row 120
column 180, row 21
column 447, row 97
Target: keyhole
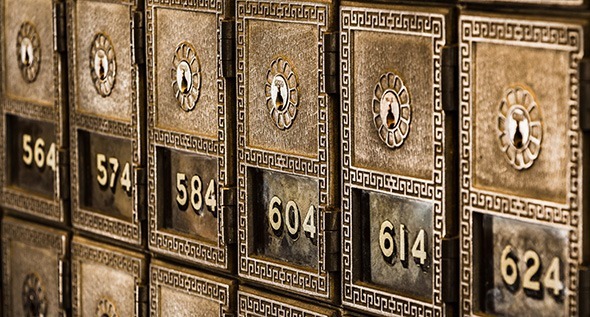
column 281, row 95
column 184, row 82
column 32, row 305
column 390, row 120
column 104, row 315
column 26, row 52
column 518, row 136
column 184, row 77
column 518, row 126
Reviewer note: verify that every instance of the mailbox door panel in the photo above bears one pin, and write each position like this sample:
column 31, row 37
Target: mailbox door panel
column 33, row 264
column 256, row 303
column 33, row 109
column 105, row 280
column 207, row 296
column 286, row 145
column 526, row 166
column 106, row 118
column 397, row 158
column 191, row 125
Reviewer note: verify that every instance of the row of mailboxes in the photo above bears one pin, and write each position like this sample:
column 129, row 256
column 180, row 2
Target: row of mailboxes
column 406, row 160
column 103, row 280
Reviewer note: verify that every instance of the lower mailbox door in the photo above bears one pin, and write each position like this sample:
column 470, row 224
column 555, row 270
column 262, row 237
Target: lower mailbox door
column 397, row 160
column 287, row 153
column 256, row 303
column 33, row 264
column 106, row 281
column 186, row 293
column 521, row 166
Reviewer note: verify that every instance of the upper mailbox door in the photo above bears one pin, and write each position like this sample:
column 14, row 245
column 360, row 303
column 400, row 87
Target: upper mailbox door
column 521, row 165
column 180, row 292
column 33, row 264
column 287, row 153
column 397, row 146
column 33, row 172
column 253, row 303
column 106, row 118
column 106, row 281
column 191, row 132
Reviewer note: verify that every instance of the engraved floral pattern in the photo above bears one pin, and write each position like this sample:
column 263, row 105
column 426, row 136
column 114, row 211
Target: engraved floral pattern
column 391, row 110
column 282, row 93
column 103, row 64
column 186, row 76
column 28, row 51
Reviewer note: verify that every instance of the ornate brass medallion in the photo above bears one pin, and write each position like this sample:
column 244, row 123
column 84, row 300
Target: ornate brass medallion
column 103, row 65
column 186, row 76
column 34, row 301
column 106, row 308
column 520, row 128
column 282, row 95
column 28, row 51
column 392, row 112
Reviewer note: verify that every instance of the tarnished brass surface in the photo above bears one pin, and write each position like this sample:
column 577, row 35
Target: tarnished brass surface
column 521, row 159
column 191, row 133
column 397, row 127
column 252, row 302
column 175, row 291
column 33, row 263
column 287, row 145
column 107, row 118
column 106, row 279
column 32, row 95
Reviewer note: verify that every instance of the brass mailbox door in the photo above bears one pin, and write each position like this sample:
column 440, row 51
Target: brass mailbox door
column 33, row 132
column 397, row 145
column 521, row 165
column 107, row 118
column 33, row 264
column 106, row 281
column 287, row 138
column 191, row 132
column 181, row 292
column 252, row 302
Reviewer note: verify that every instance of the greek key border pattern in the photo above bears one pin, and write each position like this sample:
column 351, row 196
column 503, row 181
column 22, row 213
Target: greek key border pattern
column 419, row 24
column 201, row 5
column 300, row 281
column 14, row 230
column 36, row 206
column 251, row 304
column 115, row 260
column 193, row 285
column 556, row 36
column 165, row 242
column 281, row 162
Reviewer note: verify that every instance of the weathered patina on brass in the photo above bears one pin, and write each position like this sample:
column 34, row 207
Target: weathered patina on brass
column 288, row 188
column 176, row 291
column 397, row 66
column 521, row 166
column 33, row 172
column 33, row 264
column 107, row 118
column 191, row 129
column 252, row 302
column 106, row 280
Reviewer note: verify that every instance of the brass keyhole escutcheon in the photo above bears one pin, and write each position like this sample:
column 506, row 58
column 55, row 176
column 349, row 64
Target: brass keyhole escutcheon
column 392, row 112
column 28, row 51
column 101, row 64
column 520, row 129
column 184, row 77
column 33, row 296
column 280, row 92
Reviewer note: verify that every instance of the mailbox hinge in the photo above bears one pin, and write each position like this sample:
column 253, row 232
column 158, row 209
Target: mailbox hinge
column 143, row 300
column 332, row 238
column 60, row 31
column 331, row 67
column 584, row 292
column 449, row 77
column 228, row 62
column 64, row 173
column 138, row 38
column 228, row 205
column 584, row 91
column 140, row 185
column 66, row 287
column 450, row 269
